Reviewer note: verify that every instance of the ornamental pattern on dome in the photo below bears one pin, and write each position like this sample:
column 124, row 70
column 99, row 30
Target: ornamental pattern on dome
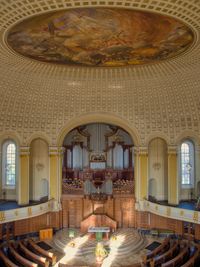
column 100, row 37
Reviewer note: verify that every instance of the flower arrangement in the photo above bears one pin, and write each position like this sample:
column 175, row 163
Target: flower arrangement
column 72, row 244
column 100, row 252
column 114, row 238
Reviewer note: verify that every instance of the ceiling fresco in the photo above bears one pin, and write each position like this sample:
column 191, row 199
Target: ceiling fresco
column 100, row 37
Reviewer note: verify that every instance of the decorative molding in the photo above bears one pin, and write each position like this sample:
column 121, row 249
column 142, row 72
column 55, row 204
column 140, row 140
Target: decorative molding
column 28, row 212
column 53, row 150
column 172, row 150
column 24, row 151
column 143, row 151
column 170, row 212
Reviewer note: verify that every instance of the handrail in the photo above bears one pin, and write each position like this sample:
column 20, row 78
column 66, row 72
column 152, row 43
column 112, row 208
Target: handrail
column 28, row 212
column 169, row 212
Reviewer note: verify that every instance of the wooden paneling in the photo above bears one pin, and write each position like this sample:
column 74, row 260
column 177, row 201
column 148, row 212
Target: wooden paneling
column 124, row 211
column 1, row 231
column 35, row 224
column 121, row 209
column 54, row 220
column 72, row 212
column 65, row 213
column 197, row 231
column 160, row 222
column 87, row 207
column 21, row 227
column 142, row 219
column 109, row 207
column 118, row 212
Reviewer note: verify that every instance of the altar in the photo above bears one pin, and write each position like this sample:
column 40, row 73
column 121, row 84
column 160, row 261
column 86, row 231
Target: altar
column 99, row 231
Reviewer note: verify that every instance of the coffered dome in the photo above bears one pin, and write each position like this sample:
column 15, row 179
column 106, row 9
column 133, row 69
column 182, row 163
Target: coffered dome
column 159, row 97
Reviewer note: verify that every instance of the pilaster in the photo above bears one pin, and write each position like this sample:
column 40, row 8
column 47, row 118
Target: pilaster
column 23, row 183
column 141, row 172
column 173, row 184
column 197, row 169
column 56, row 158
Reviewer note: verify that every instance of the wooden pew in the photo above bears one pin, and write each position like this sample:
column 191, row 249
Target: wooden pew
column 33, row 257
column 157, row 260
column 49, row 255
column 6, row 260
column 192, row 260
column 24, row 262
column 178, row 260
column 162, row 248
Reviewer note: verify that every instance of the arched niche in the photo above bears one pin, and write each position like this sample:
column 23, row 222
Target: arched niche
column 158, row 170
column 39, row 170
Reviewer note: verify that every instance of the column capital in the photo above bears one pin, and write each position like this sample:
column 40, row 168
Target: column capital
column 141, row 150
column 24, row 150
column 54, row 150
column 172, row 150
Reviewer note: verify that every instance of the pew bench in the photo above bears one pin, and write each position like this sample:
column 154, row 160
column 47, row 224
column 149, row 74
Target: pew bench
column 161, row 249
column 168, row 255
column 178, row 260
column 42, row 261
column 191, row 262
column 21, row 259
column 40, row 251
column 6, row 260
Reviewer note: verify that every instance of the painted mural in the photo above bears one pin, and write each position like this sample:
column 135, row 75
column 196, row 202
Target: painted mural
column 100, row 37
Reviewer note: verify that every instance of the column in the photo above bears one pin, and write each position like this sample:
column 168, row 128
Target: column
column 197, row 170
column 141, row 172
column 56, row 158
column 173, row 183
column 23, row 185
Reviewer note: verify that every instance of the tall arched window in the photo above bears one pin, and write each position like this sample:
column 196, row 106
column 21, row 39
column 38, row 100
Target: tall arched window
column 187, row 163
column 9, row 164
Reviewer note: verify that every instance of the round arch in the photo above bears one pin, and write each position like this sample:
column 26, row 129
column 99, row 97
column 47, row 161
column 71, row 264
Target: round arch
column 38, row 135
column 99, row 118
column 11, row 136
column 188, row 135
column 157, row 135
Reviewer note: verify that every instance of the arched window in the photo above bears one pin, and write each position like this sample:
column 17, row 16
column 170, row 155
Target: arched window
column 9, row 164
column 187, row 163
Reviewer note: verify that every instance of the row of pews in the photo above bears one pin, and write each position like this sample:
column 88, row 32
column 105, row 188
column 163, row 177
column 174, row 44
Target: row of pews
column 26, row 254
column 174, row 253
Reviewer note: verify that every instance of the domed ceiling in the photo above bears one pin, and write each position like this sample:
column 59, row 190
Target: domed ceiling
column 100, row 37
column 101, row 66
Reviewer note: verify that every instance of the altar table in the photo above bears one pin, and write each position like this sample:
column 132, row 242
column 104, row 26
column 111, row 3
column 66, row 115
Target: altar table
column 99, row 232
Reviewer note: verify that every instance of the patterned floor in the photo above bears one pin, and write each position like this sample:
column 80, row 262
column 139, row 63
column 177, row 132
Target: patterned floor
column 125, row 247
